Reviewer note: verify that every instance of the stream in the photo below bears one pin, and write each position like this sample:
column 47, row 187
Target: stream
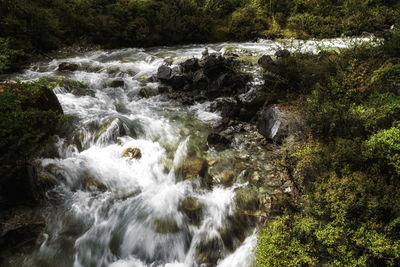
column 111, row 208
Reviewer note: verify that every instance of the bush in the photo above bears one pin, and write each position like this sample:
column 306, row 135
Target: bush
column 26, row 124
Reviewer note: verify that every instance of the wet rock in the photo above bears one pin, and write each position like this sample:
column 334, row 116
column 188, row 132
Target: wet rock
column 163, row 89
column 191, row 65
column 117, row 83
column 282, row 53
column 180, row 82
column 266, row 61
column 146, row 92
column 192, row 207
column 227, row 177
column 247, row 198
column 109, row 130
column 133, row 153
column 218, row 141
column 165, row 226
column 209, row 251
column 169, row 61
column 273, row 124
column 195, row 167
column 68, row 66
column 164, row 73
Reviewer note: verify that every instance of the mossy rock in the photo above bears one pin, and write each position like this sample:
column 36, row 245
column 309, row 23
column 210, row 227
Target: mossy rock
column 192, row 207
column 247, row 198
column 133, row 153
column 195, row 167
column 165, row 226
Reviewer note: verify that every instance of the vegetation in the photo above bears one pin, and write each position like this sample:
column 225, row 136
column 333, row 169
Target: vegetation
column 28, row 119
column 348, row 169
column 38, row 26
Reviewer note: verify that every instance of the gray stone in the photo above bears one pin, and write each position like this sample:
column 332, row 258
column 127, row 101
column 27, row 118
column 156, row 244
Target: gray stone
column 164, row 73
column 273, row 124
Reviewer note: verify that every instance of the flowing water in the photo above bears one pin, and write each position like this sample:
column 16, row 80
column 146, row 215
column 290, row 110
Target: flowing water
column 110, row 210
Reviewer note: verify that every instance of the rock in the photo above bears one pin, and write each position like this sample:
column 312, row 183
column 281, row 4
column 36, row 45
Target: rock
column 217, row 141
column 210, row 250
column 168, row 61
column 146, row 92
column 282, row 53
column 48, row 100
column 228, row 107
column 117, row 83
column 68, row 66
column 164, row 73
column 227, row 177
column 192, row 207
column 204, row 53
column 273, row 124
column 214, row 65
column 179, row 82
column 195, row 167
column 109, row 130
column 200, row 81
column 165, row 226
column 163, row 89
column 133, row 153
column 247, row 198
column 191, row 65
column 266, row 61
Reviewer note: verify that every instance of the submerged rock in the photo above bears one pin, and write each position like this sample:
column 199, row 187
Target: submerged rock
column 146, row 92
column 133, row 153
column 218, row 141
column 273, row 124
column 195, row 167
column 192, row 207
column 117, row 83
column 165, row 226
column 68, row 66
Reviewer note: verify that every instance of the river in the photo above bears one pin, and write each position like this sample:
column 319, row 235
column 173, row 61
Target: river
column 111, row 210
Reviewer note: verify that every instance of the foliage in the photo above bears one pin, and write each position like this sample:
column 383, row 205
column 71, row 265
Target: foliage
column 348, row 170
column 42, row 25
column 24, row 125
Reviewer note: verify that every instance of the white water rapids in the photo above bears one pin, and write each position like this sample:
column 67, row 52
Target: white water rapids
column 116, row 211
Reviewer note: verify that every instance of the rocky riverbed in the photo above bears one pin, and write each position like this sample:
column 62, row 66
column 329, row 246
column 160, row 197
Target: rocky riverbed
column 169, row 160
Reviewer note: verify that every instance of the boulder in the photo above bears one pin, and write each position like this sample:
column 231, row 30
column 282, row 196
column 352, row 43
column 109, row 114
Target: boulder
column 282, row 53
column 48, row 100
column 195, row 167
column 266, row 61
column 180, row 82
column 218, row 141
column 191, row 65
column 214, row 65
column 117, row 83
column 146, row 92
column 68, row 66
column 133, row 153
column 200, row 81
column 164, row 73
column 273, row 124
column 247, row 199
